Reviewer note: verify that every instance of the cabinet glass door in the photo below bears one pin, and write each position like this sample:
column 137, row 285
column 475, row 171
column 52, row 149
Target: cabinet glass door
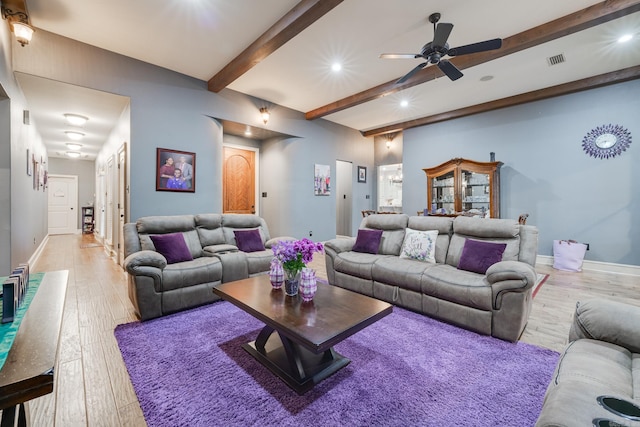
column 475, row 192
column 443, row 193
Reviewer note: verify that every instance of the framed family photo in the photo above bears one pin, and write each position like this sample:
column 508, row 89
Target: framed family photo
column 175, row 170
column 362, row 174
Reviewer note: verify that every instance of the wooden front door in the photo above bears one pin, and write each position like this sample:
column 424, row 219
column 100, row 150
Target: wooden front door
column 238, row 181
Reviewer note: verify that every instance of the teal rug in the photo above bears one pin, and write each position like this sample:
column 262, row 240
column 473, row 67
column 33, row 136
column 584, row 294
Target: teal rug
column 8, row 331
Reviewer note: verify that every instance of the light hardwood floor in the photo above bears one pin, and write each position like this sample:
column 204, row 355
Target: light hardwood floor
column 92, row 384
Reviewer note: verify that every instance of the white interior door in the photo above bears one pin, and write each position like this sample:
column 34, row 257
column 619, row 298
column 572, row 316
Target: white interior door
column 109, row 202
column 344, row 178
column 63, row 204
column 122, row 200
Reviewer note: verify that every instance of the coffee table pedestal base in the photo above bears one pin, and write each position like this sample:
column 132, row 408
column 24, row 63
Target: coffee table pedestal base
column 297, row 366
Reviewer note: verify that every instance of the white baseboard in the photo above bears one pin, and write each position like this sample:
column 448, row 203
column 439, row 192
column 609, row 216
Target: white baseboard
column 36, row 254
column 608, row 267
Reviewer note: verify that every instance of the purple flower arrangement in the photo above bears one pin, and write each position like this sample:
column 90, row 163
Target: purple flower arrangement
column 295, row 254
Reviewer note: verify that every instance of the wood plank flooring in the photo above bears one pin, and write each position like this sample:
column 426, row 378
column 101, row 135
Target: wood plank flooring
column 92, row 384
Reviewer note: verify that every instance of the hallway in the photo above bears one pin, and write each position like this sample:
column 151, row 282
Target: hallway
column 92, row 386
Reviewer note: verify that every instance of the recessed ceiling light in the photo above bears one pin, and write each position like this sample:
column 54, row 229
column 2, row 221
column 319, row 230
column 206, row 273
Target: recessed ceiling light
column 73, row 154
column 74, row 147
column 74, row 135
column 336, row 66
column 404, row 103
column 625, row 38
column 76, row 119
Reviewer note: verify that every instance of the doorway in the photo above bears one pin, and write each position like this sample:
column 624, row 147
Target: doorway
column 63, row 203
column 239, row 178
column 344, row 190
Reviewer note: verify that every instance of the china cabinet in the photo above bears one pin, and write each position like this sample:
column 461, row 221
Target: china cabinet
column 462, row 186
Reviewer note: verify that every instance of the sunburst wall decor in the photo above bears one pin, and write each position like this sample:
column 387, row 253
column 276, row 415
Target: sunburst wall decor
column 606, row 141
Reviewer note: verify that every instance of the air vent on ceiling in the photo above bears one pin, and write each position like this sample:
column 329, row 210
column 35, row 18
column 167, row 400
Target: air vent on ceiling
column 556, row 59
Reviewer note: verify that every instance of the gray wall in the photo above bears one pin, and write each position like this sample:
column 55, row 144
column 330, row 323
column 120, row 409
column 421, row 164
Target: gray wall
column 546, row 173
column 170, row 110
column 85, row 171
column 23, row 220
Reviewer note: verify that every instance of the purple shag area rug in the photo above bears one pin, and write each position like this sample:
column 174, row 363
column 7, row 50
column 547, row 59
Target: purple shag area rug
column 406, row 370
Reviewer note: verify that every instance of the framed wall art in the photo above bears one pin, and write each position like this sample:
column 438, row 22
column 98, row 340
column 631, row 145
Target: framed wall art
column 322, row 180
column 175, row 170
column 362, row 174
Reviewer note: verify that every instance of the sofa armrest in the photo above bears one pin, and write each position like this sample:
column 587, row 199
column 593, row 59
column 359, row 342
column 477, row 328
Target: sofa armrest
column 610, row 321
column 136, row 260
column 340, row 245
column 509, row 276
column 269, row 243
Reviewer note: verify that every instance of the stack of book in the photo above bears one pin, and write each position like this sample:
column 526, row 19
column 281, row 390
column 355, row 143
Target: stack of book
column 14, row 289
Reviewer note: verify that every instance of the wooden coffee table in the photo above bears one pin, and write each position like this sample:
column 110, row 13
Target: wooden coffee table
column 297, row 341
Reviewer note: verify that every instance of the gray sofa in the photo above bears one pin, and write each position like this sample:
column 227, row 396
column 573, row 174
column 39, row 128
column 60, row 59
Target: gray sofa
column 602, row 359
column 496, row 303
column 157, row 288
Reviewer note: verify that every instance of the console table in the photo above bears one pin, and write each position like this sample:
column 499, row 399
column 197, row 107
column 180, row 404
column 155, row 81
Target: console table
column 28, row 370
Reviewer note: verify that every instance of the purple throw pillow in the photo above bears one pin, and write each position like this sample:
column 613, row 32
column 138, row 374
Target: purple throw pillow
column 477, row 256
column 172, row 246
column 368, row 241
column 249, row 240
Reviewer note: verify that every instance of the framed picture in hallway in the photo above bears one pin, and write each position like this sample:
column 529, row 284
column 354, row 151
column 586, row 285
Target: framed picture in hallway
column 175, row 170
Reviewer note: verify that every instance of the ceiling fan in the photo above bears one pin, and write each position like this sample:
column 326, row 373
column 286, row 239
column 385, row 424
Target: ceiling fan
column 438, row 48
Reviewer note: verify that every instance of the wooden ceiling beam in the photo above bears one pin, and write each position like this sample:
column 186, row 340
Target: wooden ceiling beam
column 295, row 21
column 561, row 27
column 613, row 77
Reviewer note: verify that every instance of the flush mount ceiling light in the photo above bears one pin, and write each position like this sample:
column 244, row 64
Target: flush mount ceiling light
column 74, row 147
column 265, row 114
column 15, row 11
column 73, row 154
column 76, row 119
column 76, row 136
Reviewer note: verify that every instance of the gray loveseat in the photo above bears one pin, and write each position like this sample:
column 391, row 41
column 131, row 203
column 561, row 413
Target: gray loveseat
column 157, row 288
column 496, row 303
column 602, row 359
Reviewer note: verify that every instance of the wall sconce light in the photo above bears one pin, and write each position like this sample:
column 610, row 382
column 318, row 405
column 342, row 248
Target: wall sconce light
column 15, row 11
column 76, row 119
column 388, row 143
column 265, row 114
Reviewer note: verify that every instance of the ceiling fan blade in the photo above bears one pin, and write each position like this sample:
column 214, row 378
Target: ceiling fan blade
column 475, row 47
column 450, row 70
column 412, row 72
column 442, row 34
column 400, row 55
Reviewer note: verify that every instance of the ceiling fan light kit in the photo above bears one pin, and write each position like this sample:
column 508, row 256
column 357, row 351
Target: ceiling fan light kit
column 435, row 51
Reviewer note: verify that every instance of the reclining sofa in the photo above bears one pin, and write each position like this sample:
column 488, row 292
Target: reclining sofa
column 597, row 379
column 158, row 286
column 497, row 302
